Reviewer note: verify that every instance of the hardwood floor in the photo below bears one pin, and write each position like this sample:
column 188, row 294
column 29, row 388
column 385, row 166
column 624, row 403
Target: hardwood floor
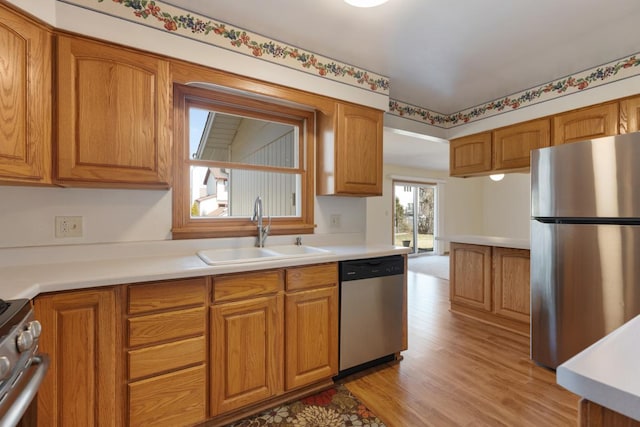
column 460, row 372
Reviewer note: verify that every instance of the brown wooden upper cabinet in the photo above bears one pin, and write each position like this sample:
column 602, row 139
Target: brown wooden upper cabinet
column 114, row 108
column 350, row 151
column 470, row 155
column 512, row 145
column 586, row 123
column 25, row 79
column 630, row 115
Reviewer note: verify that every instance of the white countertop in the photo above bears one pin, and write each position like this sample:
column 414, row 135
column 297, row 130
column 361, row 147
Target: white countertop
column 27, row 272
column 473, row 239
column 608, row 372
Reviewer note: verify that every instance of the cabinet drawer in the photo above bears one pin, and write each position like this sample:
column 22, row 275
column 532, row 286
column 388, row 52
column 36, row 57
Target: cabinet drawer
column 166, row 357
column 312, row 276
column 175, row 399
column 166, row 326
column 235, row 286
column 166, row 295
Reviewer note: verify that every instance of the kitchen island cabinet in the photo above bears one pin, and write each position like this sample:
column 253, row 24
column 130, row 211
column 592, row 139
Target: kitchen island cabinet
column 81, row 335
column 26, row 110
column 511, row 290
column 491, row 284
column 594, row 415
column 470, row 276
column 606, row 376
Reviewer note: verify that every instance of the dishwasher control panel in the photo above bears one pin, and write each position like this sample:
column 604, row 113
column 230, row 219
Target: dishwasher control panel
column 371, row 267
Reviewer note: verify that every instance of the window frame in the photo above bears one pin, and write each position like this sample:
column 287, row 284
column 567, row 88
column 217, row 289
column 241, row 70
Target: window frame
column 186, row 227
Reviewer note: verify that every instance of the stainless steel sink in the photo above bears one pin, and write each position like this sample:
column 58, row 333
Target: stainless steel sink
column 253, row 254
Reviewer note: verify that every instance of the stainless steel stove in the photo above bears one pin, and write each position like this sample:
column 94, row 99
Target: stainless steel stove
column 22, row 368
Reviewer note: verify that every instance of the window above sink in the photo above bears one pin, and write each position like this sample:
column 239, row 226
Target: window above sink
column 231, row 149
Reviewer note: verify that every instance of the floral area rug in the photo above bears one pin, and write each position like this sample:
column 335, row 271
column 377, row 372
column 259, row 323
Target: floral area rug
column 335, row 407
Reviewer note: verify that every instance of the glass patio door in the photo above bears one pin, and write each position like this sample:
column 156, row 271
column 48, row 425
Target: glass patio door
column 414, row 216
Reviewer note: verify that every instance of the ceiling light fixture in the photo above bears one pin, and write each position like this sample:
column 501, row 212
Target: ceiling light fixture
column 496, row 177
column 365, row 3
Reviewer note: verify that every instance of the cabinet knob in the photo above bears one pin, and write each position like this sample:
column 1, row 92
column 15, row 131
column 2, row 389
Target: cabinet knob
column 5, row 367
column 24, row 341
column 35, row 328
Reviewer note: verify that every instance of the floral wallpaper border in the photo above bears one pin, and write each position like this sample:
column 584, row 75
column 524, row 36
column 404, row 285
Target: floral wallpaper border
column 165, row 17
column 613, row 71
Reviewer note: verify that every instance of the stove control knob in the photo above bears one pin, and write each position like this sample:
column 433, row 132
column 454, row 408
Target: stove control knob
column 5, row 367
column 24, row 341
column 35, row 328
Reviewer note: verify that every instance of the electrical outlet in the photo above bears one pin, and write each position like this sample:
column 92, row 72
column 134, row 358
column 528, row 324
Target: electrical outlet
column 68, row 226
column 334, row 221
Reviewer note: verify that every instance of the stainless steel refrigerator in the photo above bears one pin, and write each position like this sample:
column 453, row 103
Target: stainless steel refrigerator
column 585, row 244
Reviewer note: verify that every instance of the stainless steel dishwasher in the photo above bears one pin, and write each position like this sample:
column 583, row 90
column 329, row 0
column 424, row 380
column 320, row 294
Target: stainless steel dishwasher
column 371, row 298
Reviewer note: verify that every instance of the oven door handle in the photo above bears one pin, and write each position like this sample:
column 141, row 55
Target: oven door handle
column 24, row 394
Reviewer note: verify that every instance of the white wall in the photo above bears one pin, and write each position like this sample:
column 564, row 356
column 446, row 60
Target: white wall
column 480, row 206
column 476, row 206
column 27, row 215
column 507, row 204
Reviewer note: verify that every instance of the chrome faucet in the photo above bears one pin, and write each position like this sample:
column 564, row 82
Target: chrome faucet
column 263, row 231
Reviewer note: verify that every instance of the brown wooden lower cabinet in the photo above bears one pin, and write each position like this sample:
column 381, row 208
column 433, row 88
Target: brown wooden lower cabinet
column 491, row 284
column 246, row 352
column 511, row 290
column 311, row 325
column 594, row 415
column 174, row 399
column 181, row 352
column 79, row 332
column 166, row 353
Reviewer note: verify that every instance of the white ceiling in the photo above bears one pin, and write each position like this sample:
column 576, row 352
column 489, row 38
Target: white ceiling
column 446, row 55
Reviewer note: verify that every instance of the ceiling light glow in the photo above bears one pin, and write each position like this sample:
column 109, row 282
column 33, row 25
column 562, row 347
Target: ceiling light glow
column 365, row 3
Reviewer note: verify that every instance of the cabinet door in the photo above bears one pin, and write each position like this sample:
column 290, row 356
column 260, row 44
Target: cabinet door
column 25, row 109
column 311, row 332
column 630, row 115
column 512, row 145
column 511, row 291
column 470, row 155
column 586, row 123
column 79, row 334
column 113, row 116
column 171, row 400
column 470, row 275
column 592, row 414
column 358, row 151
column 246, row 352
